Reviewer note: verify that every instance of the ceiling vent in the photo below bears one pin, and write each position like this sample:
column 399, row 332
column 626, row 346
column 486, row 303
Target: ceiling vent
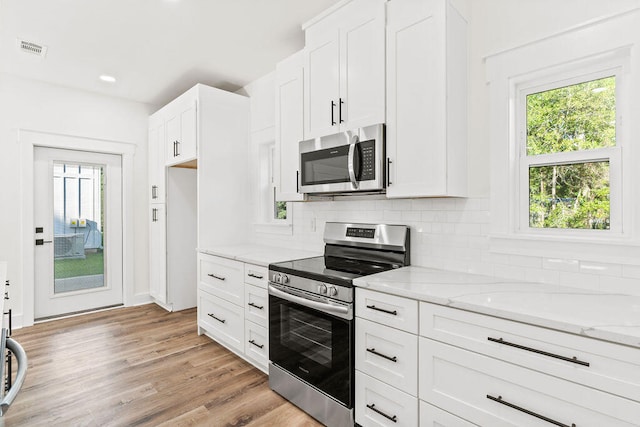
column 32, row 48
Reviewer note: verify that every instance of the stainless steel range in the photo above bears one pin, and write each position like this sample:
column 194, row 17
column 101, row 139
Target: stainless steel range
column 311, row 319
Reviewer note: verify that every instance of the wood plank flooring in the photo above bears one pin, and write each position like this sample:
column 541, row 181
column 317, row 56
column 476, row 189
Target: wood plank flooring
column 140, row 366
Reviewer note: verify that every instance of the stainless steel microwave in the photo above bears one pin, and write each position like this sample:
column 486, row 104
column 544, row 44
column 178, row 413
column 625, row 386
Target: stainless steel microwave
column 346, row 162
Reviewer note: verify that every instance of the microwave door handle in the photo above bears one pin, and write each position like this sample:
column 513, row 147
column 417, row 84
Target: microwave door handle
column 351, row 162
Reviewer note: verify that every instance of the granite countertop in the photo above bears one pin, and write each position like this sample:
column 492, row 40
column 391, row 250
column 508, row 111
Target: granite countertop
column 611, row 317
column 257, row 254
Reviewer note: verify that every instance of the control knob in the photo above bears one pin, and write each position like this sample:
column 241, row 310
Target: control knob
column 285, row 279
column 322, row 288
column 333, row 291
column 277, row 277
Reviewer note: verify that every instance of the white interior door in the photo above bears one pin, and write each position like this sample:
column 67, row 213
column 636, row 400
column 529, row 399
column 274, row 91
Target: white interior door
column 78, row 231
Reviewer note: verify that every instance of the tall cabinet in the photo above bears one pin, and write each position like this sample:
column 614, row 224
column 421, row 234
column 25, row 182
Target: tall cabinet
column 197, row 158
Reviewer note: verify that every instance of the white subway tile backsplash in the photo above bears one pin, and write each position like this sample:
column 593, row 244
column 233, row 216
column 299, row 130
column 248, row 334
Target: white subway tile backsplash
column 561, row 264
column 453, row 234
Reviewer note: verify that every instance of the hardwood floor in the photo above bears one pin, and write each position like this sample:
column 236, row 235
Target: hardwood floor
column 140, row 366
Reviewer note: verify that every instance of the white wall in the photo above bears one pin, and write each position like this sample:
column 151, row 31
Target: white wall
column 454, row 233
column 38, row 106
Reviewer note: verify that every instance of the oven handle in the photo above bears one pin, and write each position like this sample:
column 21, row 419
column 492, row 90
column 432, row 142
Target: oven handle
column 352, row 157
column 21, row 357
column 342, row 311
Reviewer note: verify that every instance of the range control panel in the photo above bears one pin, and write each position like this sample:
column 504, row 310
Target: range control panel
column 365, row 233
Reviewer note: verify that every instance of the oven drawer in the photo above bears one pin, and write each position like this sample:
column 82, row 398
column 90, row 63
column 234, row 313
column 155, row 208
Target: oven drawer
column 378, row 404
column 256, row 305
column 390, row 310
column 256, row 275
column 430, row 416
column 256, row 344
column 223, row 321
column 222, row 277
column 490, row 392
column 611, row 367
column 387, row 354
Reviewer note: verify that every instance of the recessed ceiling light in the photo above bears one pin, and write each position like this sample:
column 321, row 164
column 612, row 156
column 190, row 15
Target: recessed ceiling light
column 107, row 78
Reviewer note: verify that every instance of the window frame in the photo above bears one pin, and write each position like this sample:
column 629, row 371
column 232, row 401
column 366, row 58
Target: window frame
column 558, row 77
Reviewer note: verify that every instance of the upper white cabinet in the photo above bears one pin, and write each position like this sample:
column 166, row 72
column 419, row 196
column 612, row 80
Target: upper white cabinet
column 181, row 140
column 344, row 64
column 157, row 180
column 426, row 98
column 289, row 124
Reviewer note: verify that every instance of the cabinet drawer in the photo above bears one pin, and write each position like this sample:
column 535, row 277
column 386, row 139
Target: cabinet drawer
column 387, row 354
column 607, row 366
column 430, row 416
column 379, row 404
column 256, row 304
column 223, row 321
column 256, row 275
column 222, row 277
column 256, row 343
column 390, row 310
column 490, row 392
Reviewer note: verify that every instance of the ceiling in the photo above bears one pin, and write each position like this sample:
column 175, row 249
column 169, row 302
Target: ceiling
column 156, row 49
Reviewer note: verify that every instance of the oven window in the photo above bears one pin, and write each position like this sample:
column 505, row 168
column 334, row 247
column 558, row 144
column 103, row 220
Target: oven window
column 325, row 166
column 307, row 335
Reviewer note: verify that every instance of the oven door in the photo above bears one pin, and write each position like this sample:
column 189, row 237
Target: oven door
column 312, row 345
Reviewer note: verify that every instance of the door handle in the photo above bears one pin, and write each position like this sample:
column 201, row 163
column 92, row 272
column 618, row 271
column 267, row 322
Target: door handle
column 154, row 191
column 351, row 162
column 177, row 148
column 340, row 111
column 389, row 171
column 40, row 242
column 333, row 120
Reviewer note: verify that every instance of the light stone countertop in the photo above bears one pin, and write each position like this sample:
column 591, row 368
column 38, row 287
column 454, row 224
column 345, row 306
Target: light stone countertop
column 611, row 317
column 257, row 254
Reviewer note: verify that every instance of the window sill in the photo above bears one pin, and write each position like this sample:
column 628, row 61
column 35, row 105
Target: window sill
column 273, row 228
column 586, row 249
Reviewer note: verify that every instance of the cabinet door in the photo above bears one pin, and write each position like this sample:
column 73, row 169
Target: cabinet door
column 321, row 85
column 362, row 61
column 181, row 144
column 157, row 164
column 289, row 127
column 157, row 253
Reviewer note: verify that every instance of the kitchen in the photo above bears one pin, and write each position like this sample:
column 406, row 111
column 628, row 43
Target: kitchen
column 459, row 234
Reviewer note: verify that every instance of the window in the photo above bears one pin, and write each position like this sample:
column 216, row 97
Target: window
column 569, row 156
column 272, row 213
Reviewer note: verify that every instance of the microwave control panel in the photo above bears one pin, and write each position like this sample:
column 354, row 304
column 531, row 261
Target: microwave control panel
column 368, row 160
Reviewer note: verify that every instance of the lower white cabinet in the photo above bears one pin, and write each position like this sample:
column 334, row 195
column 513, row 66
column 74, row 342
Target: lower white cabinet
column 491, row 392
column 224, row 322
column 233, row 306
column 379, row 404
column 431, row 416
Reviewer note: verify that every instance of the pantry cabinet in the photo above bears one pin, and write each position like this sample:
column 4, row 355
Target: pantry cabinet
column 181, row 141
column 344, row 61
column 197, row 146
column 289, row 127
column 426, row 85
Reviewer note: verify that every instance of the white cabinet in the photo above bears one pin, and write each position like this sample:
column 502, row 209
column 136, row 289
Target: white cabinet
column 157, row 185
column 158, row 253
column 386, row 360
column 426, row 84
column 344, row 69
column 233, row 306
column 181, row 140
column 197, row 147
column 289, row 127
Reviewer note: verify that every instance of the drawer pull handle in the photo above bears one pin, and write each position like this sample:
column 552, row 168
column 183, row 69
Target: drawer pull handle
column 374, row 409
column 219, row 320
column 216, row 277
column 528, row 412
column 533, row 350
column 373, row 307
column 373, row 350
column 257, row 276
column 254, row 343
column 259, row 307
